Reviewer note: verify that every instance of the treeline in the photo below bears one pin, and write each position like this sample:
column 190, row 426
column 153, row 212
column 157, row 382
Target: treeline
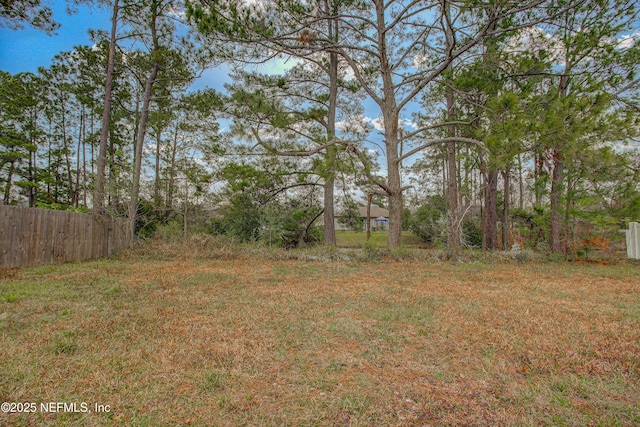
column 500, row 123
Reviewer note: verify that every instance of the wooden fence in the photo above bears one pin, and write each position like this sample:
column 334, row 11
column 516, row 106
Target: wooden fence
column 30, row 236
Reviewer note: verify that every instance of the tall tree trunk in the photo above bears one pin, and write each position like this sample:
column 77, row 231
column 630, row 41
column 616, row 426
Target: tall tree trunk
column 556, row 243
column 331, row 157
column 538, row 170
column 156, row 185
column 394, row 186
column 67, row 152
column 368, row 219
column 142, row 131
column 329, row 214
column 453, row 238
column 172, row 169
column 84, row 161
column 99, row 193
column 78, row 154
column 49, row 152
column 555, row 221
column 329, row 183
column 390, row 115
column 113, row 194
column 520, row 183
column 56, row 190
column 505, row 209
column 33, row 163
column 490, row 217
column 568, row 235
column 7, row 187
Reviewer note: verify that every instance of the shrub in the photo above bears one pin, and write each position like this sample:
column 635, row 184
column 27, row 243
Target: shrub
column 351, row 217
column 169, row 231
column 471, row 233
column 429, row 221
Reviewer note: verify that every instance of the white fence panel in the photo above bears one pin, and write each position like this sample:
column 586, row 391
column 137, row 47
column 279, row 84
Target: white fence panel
column 633, row 240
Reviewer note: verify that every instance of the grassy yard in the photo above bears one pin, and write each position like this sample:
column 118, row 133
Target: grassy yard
column 235, row 340
column 352, row 239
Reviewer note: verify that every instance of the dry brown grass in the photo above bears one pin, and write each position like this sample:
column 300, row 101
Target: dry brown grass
column 242, row 340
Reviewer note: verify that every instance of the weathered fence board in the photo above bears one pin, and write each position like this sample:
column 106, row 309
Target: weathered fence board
column 633, row 240
column 30, row 236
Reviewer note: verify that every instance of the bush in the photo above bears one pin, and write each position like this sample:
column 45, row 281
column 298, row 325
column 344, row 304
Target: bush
column 148, row 219
column 169, row 231
column 429, row 221
column 351, row 217
column 296, row 230
column 471, row 233
column 241, row 218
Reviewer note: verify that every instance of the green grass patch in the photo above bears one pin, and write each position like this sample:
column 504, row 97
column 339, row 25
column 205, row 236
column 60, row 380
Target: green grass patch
column 378, row 239
column 271, row 341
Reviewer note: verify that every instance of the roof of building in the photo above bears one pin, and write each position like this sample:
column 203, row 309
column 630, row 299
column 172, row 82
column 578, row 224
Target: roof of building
column 376, row 212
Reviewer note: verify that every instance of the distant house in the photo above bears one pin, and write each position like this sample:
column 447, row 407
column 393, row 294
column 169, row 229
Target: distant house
column 379, row 218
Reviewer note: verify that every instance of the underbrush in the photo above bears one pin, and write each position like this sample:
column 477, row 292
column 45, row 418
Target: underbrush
column 204, row 247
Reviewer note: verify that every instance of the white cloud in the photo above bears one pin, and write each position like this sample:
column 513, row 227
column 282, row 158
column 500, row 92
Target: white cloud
column 355, row 124
column 149, row 148
column 177, row 13
column 628, row 41
column 362, row 124
column 409, row 123
column 347, row 74
column 534, row 40
column 420, row 61
column 278, row 65
column 378, row 124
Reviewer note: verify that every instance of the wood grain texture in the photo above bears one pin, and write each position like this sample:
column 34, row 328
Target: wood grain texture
column 30, row 236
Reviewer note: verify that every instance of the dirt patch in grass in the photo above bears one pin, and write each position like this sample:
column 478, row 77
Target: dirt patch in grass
column 238, row 341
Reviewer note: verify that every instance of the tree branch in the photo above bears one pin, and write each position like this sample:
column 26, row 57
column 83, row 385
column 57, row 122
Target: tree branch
column 308, row 153
column 433, row 142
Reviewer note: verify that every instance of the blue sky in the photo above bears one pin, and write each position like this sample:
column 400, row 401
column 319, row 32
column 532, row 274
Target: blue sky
column 27, row 49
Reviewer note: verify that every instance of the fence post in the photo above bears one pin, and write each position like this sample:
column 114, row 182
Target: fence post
column 633, row 240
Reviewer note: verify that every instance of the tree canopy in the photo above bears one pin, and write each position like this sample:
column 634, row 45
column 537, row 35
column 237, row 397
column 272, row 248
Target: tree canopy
column 476, row 123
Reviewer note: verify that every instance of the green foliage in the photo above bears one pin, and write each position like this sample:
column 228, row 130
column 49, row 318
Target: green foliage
column 521, row 104
column 241, row 217
column 350, row 217
column 148, row 218
column 472, row 233
column 20, row 133
column 533, row 225
column 170, row 231
column 264, row 204
column 288, row 225
column 406, row 219
column 62, row 207
column 15, row 13
column 429, row 221
column 297, row 229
